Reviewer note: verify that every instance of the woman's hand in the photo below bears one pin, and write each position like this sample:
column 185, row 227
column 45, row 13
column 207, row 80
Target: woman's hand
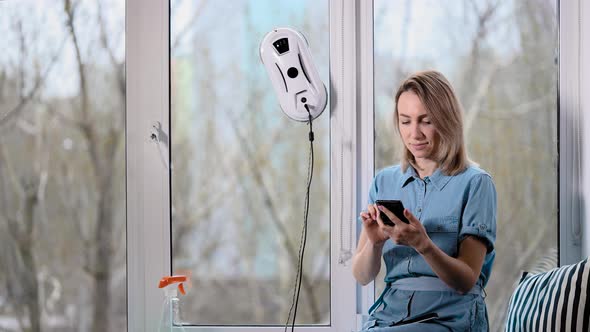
column 413, row 234
column 374, row 232
column 366, row 261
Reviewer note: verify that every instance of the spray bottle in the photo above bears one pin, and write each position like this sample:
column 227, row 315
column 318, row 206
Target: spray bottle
column 170, row 319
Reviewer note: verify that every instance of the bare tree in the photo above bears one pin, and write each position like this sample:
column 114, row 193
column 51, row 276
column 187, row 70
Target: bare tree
column 20, row 223
column 504, row 71
column 235, row 166
column 102, row 146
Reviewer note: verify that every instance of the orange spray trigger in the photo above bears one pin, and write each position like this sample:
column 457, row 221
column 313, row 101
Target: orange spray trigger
column 169, row 280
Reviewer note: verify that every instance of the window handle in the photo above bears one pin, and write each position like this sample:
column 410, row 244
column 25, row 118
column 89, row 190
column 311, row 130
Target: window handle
column 160, row 138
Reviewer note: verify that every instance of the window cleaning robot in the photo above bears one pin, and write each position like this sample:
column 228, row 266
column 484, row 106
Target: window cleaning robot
column 286, row 56
column 302, row 95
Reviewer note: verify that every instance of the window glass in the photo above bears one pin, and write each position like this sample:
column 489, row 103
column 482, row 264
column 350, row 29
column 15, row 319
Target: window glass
column 501, row 59
column 240, row 167
column 62, row 166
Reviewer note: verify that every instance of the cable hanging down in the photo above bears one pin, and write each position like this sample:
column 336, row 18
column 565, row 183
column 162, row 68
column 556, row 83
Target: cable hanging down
column 303, row 240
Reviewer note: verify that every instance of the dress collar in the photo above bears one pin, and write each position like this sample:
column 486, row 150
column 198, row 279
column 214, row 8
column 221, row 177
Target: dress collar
column 438, row 179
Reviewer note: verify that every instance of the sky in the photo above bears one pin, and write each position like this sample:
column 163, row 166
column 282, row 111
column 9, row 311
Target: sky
column 43, row 22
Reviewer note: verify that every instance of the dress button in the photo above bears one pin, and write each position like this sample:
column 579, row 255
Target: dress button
column 419, row 209
column 482, row 227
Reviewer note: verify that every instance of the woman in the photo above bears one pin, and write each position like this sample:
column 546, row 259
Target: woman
column 438, row 263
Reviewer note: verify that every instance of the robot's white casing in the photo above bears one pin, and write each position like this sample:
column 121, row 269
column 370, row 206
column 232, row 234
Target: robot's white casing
column 287, row 59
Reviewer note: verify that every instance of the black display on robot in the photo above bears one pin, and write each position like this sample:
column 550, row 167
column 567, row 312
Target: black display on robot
column 282, row 45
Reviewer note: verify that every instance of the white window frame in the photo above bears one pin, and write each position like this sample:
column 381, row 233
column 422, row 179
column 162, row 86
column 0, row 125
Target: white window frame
column 366, row 137
column 352, row 151
column 584, row 85
column 573, row 242
column 148, row 226
column 148, row 191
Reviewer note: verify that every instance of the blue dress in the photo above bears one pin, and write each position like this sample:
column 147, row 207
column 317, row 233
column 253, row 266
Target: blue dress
column 450, row 208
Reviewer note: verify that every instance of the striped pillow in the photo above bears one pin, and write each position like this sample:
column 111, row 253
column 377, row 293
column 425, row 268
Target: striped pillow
column 556, row 300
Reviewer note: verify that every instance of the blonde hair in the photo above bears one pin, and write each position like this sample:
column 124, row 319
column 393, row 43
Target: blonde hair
column 445, row 113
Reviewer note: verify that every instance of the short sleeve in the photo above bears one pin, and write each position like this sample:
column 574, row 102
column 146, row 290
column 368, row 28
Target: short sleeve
column 372, row 198
column 479, row 214
column 373, row 192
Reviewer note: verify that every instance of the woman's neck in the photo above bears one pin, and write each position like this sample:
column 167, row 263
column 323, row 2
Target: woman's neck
column 425, row 167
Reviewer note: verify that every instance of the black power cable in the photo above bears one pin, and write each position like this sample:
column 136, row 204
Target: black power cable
column 303, row 240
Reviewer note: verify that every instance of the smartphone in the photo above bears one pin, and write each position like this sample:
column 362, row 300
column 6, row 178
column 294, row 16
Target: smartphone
column 419, row 319
column 394, row 206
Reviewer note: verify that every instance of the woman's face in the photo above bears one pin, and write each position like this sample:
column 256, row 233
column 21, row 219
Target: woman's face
column 417, row 132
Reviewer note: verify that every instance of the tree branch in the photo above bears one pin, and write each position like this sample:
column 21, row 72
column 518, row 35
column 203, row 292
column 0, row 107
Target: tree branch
column 188, row 26
column 5, row 120
column 105, row 44
column 481, row 92
column 274, row 215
